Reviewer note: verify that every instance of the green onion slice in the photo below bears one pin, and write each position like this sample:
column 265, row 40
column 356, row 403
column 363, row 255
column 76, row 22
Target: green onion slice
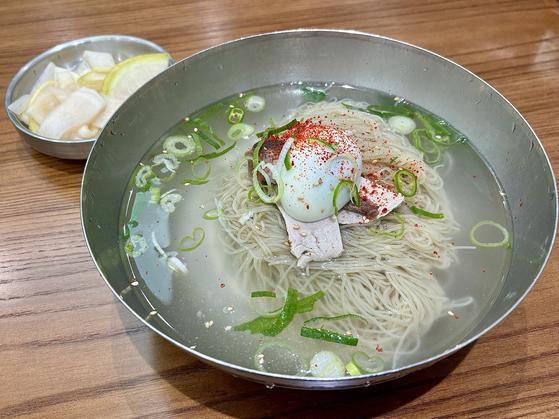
column 239, row 130
column 203, row 115
column 255, row 154
column 196, row 138
column 258, row 188
column 170, row 161
column 155, row 195
column 207, row 139
column 212, row 214
column 384, row 233
column 251, row 199
column 255, row 103
column 326, row 364
column 208, row 170
column 259, row 324
column 192, row 242
column 256, row 294
column 236, row 115
column 238, row 168
column 325, row 144
column 312, row 95
column 432, row 127
column 328, row 336
column 390, row 110
column 267, row 319
column 402, row 124
column 142, row 176
column 367, row 364
column 168, row 201
column 300, row 361
column 352, row 188
column 213, row 155
column 180, row 146
column 419, row 211
column 336, row 318
column 287, row 161
column 194, row 182
column 205, row 125
column 407, row 187
column 382, row 110
column 135, row 246
column 286, row 315
column 352, row 369
column 417, row 137
column 274, row 131
column 504, row 242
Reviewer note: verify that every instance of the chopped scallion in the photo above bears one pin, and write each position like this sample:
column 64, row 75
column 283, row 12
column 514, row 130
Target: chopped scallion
column 328, row 336
column 385, row 233
column 256, row 294
column 406, row 187
column 239, row 130
column 255, row 103
column 193, row 170
column 214, row 155
column 273, row 131
column 180, row 146
column 213, row 214
column 136, row 245
column 313, row 95
column 504, row 242
column 300, row 361
column 286, row 316
column 336, row 318
column 325, row 144
column 354, row 190
column 168, row 201
column 367, row 364
column 194, row 182
column 142, row 176
column 236, row 115
column 192, row 242
column 207, row 139
column 419, row 211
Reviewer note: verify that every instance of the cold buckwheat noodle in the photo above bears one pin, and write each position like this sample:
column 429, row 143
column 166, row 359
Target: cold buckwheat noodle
column 388, row 280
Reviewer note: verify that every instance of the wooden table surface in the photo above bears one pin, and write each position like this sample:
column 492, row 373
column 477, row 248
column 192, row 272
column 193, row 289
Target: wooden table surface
column 68, row 348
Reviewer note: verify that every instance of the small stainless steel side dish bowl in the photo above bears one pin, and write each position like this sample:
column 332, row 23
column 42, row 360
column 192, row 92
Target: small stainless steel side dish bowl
column 68, row 55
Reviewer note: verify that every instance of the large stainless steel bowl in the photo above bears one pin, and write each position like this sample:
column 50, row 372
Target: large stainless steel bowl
column 450, row 91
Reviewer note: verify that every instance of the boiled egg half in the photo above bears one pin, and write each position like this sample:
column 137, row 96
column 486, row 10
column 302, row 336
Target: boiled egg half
column 320, row 158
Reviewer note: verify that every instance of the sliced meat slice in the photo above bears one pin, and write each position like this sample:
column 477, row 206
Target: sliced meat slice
column 376, row 200
column 269, row 152
column 350, row 217
column 320, row 240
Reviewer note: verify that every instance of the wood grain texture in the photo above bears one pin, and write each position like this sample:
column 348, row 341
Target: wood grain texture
column 68, row 348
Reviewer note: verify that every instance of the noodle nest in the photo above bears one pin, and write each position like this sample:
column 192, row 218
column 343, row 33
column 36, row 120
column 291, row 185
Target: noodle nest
column 388, row 280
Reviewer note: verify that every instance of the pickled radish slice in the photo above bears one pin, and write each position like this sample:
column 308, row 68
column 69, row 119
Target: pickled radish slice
column 101, row 62
column 44, row 101
column 93, row 80
column 81, row 107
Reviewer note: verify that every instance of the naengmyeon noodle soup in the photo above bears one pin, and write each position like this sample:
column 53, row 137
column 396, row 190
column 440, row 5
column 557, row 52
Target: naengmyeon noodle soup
column 356, row 233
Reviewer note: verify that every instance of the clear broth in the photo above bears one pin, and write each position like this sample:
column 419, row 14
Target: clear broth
column 186, row 303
